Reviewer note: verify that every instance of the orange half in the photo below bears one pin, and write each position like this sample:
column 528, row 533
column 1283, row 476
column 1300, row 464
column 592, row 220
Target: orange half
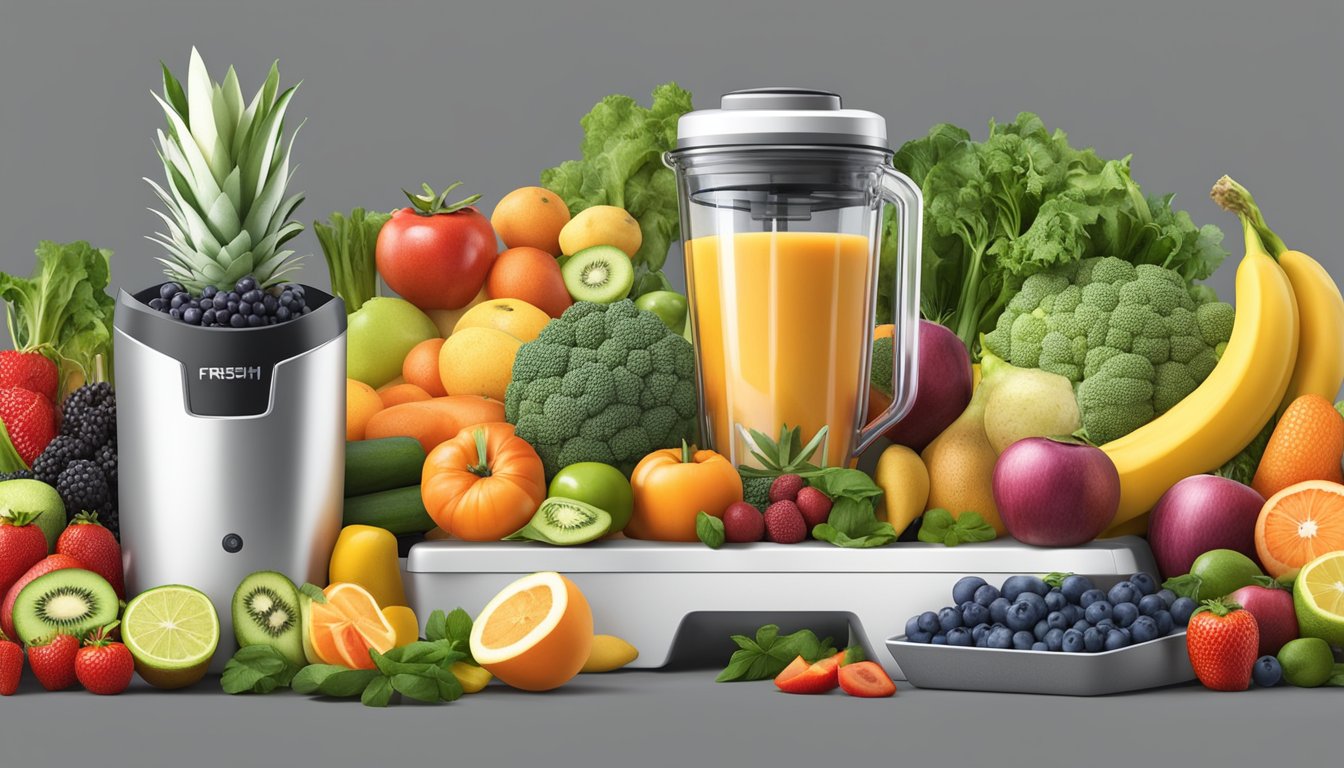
column 536, row 634
column 344, row 629
column 1299, row 524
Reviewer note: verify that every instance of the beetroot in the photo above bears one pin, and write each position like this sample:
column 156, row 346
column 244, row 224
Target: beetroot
column 1199, row 514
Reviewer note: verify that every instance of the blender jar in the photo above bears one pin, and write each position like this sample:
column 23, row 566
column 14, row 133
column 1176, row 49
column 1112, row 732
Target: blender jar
column 781, row 194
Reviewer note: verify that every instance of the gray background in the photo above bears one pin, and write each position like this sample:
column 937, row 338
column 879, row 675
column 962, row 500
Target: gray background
column 491, row 93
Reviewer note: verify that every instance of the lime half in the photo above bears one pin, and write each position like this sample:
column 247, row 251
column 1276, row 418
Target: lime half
column 1318, row 597
column 172, row 632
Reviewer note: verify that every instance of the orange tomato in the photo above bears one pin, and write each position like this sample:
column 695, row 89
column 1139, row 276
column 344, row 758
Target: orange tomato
column 673, row 485
column 483, row 484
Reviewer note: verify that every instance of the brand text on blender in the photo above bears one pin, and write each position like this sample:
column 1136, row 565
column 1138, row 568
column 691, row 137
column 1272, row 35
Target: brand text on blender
column 231, row 373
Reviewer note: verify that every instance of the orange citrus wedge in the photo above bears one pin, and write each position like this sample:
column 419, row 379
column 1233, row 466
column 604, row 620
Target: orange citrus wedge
column 344, row 629
column 536, row 634
column 1299, row 524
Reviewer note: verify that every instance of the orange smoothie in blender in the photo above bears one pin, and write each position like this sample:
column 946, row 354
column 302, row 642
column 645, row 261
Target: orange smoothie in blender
column 781, row 319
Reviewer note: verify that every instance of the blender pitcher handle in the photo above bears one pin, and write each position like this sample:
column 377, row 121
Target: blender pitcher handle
column 899, row 190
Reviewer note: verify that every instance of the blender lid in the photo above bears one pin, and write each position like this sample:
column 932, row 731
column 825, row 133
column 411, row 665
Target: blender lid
column 764, row 116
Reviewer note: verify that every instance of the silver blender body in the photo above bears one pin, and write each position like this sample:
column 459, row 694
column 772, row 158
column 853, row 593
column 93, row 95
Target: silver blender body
column 231, row 449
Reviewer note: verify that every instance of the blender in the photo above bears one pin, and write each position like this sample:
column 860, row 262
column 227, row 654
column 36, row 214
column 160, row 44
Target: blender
column 782, row 192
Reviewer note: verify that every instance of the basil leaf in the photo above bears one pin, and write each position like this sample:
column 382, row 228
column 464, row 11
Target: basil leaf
column 310, row 678
column 458, row 632
column 937, row 522
column 419, row 687
column 257, row 669
column 882, row 535
column 378, row 693
column 767, row 635
column 842, row 482
column 1184, row 586
column 768, row 655
column 314, row 592
column 436, row 626
column 971, row 526
column 450, row 688
column 709, row 529
column 347, row 682
column 853, row 655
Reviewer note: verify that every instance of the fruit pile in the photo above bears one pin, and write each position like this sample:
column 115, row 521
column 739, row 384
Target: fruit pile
column 81, row 461
column 1070, row 616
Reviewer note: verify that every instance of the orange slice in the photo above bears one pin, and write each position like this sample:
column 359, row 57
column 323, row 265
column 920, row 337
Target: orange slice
column 344, row 629
column 1299, row 524
column 536, row 634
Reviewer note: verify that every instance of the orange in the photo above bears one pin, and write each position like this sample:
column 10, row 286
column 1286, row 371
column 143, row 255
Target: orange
column 421, row 367
column 531, row 216
column 361, row 403
column 478, row 361
column 396, row 394
column 1298, row 525
column 512, row 316
column 344, row 628
column 532, row 275
column 1307, row 444
column 536, row 634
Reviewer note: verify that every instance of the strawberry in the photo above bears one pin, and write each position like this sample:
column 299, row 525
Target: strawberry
column 786, row 487
column 53, row 661
column 815, row 506
column 820, row 677
column 103, row 666
column 22, row 545
column 742, row 523
column 30, row 370
column 1222, row 639
column 784, row 523
column 11, row 665
column 86, row 540
column 30, row 419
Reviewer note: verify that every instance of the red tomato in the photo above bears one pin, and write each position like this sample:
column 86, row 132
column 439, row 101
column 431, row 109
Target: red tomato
column 436, row 256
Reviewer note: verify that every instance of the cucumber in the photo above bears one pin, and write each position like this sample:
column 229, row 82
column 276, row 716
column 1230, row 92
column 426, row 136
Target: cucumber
column 382, row 464
column 399, row 510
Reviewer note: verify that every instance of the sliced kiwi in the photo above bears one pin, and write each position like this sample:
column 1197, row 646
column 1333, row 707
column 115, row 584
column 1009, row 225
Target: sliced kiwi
column 600, row 274
column 565, row 522
column 70, row 601
column 266, row 612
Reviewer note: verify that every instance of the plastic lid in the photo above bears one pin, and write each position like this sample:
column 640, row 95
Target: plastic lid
column 781, row 116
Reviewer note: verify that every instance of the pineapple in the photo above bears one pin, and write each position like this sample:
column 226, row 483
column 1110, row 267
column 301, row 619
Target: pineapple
column 227, row 168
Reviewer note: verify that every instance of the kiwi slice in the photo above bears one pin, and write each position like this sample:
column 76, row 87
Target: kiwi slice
column 565, row 522
column 600, row 274
column 266, row 612
column 70, row 601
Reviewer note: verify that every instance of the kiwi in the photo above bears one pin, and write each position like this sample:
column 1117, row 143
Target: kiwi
column 565, row 522
column 70, row 601
column 600, row 274
column 266, row 612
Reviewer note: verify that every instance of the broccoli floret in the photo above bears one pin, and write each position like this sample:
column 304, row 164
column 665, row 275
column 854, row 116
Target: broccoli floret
column 603, row 382
column 1135, row 339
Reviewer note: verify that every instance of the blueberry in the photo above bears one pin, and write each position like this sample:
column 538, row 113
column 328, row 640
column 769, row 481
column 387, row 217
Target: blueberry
column 1093, row 639
column 191, row 316
column 158, row 305
column 964, row 590
column 919, row 637
column 1181, row 610
column 1164, row 623
column 175, row 313
column 1124, row 592
column 1144, row 629
column 1039, row 646
column 960, row 636
column 986, row 595
column 270, row 304
column 1054, row 640
column 209, row 291
column 1040, row 629
column 1124, row 614
column 1055, row 600
column 1115, row 639
column 1098, row 611
column 949, row 618
column 912, row 625
column 1168, row 597
column 246, row 284
column 231, row 305
column 1073, row 641
column 253, row 296
column 999, row 637
column 237, row 321
column 254, row 321
column 1074, row 586
column 168, row 290
column 1267, row 672
column 979, row 633
column 998, row 610
column 974, row 613
column 179, row 301
column 1105, row 624
column 1074, row 613
column 1021, row 617
column 938, row 639
column 1022, row 641
column 208, row 317
column 286, row 298
column 1091, row 596
column 1145, row 582
column 1036, row 602
column 1056, row 620
column 1149, row 605
column 282, row 314
column 1081, row 625
column 1016, row 585
column 928, row 622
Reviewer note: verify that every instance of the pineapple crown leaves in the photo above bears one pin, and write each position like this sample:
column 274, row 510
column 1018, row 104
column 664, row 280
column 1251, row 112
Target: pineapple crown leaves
column 227, row 168
column 787, row 455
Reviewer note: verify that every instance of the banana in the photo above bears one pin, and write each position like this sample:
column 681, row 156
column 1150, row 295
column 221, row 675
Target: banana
column 1230, row 407
column 1320, row 358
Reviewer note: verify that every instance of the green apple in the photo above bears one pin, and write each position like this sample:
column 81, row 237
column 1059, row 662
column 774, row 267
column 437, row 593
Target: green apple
column 378, row 337
column 36, row 496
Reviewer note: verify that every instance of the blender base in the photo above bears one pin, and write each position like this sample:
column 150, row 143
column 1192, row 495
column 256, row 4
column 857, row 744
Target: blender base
column 678, row 603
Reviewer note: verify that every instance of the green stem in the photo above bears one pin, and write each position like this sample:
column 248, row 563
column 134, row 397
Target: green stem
column 687, row 453
column 1232, row 196
column 482, row 467
column 432, row 204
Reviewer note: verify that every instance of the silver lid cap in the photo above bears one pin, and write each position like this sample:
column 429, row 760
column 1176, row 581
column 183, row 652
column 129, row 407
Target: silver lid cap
column 781, row 116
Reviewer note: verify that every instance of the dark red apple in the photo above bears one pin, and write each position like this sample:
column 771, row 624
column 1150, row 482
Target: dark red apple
column 1055, row 493
column 942, row 388
column 1199, row 514
column 1273, row 610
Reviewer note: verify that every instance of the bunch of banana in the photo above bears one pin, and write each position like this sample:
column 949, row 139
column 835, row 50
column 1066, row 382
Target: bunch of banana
column 1287, row 341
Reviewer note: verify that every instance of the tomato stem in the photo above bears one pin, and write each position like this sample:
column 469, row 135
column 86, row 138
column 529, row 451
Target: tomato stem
column 432, row 204
column 482, row 468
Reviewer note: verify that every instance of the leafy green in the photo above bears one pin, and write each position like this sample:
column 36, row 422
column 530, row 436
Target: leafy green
column 853, row 520
column 768, row 654
column 709, row 529
column 455, row 627
column 940, row 527
column 1185, row 585
column 63, row 309
column 10, row 460
column 623, row 146
column 1242, row 466
column 348, row 245
column 257, row 669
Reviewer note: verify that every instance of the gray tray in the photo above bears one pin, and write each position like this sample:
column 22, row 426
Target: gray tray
column 1153, row 664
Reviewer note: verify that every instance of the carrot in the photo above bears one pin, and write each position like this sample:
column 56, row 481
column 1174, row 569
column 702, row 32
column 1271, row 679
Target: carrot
column 1307, row 444
column 434, row 421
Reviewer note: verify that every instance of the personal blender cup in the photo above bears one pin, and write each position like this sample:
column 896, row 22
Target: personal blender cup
column 782, row 193
column 232, row 446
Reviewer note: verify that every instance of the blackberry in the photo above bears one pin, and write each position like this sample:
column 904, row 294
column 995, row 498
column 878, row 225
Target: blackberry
column 245, row 304
column 82, row 486
column 21, row 474
column 106, row 458
column 90, row 413
column 57, row 455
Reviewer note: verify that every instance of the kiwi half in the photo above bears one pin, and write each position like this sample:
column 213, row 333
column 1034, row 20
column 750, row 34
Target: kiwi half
column 70, row 601
column 565, row 522
column 600, row 274
column 266, row 612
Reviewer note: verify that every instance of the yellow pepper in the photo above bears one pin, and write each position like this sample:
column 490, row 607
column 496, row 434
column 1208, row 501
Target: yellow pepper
column 367, row 556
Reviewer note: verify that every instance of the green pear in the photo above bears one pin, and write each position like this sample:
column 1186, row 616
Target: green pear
column 1026, row 402
column 378, row 337
column 36, row 496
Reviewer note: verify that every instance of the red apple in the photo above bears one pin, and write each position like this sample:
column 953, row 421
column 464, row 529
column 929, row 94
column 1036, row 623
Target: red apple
column 942, row 387
column 1199, row 514
column 1273, row 610
column 1055, row 493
